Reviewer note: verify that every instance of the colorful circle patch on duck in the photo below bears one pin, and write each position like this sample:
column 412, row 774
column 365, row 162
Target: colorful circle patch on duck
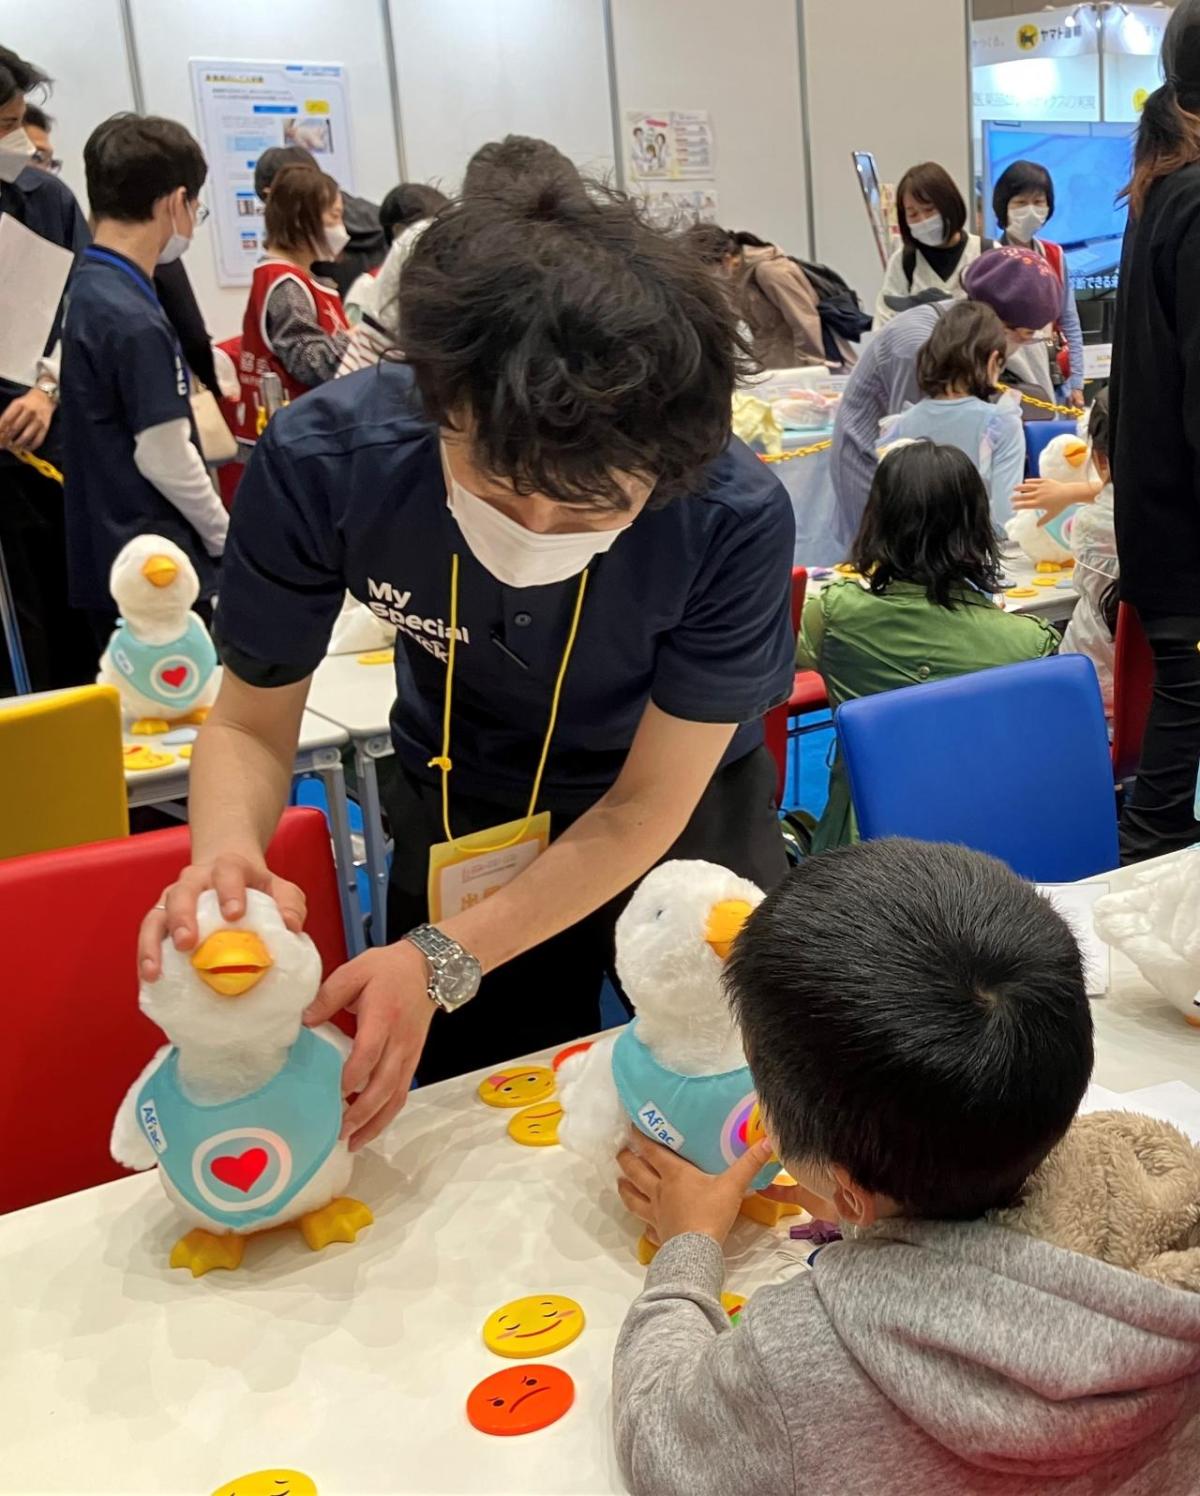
column 269, row 1483
column 741, row 1129
column 536, row 1326
column 520, row 1400
column 537, row 1125
column 517, row 1086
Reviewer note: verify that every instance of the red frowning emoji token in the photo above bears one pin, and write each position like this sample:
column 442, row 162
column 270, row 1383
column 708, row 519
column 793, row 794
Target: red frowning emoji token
column 520, row 1400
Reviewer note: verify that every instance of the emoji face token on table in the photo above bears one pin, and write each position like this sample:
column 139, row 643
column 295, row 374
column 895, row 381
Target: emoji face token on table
column 733, row 1304
column 537, row 1126
column 139, row 758
column 536, row 1326
column 520, row 1400
column 565, row 1054
column 518, row 1086
column 1021, row 592
column 269, row 1483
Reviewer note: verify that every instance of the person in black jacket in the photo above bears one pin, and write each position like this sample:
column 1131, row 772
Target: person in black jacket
column 1155, row 405
column 57, row 645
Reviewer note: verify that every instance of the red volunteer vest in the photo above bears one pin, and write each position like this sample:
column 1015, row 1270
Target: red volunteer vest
column 257, row 357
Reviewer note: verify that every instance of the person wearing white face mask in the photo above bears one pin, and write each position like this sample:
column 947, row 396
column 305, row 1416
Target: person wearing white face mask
column 57, row 644
column 133, row 460
column 295, row 326
column 590, row 585
column 936, row 249
column 1023, row 203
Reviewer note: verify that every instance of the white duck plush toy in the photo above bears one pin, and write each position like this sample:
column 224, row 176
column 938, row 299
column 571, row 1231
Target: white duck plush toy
column 242, row 1111
column 160, row 657
column 1156, row 923
column 1065, row 459
column 678, row 1071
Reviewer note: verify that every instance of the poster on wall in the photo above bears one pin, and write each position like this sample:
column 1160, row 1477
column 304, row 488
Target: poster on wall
column 670, row 145
column 671, row 208
column 243, row 108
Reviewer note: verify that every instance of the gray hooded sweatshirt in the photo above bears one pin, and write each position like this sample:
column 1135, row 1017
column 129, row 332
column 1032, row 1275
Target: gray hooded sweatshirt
column 924, row 1358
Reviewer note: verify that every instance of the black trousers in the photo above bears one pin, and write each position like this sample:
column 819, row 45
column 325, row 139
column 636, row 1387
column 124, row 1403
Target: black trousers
column 57, row 641
column 1158, row 815
column 551, row 994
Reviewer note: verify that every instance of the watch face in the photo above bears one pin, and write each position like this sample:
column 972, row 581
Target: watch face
column 458, row 980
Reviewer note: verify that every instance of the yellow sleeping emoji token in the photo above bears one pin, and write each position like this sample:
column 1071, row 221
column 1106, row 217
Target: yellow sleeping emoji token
column 519, row 1085
column 270, row 1483
column 536, row 1326
column 1021, row 592
column 139, row 757
column 537, row 1126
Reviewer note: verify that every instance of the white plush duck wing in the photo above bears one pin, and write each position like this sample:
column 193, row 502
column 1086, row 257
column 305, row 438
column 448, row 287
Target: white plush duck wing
column 129, row 1145
column 594, row 1122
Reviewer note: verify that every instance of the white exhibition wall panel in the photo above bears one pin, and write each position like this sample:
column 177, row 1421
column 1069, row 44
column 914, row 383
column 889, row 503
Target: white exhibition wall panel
column 888, row 76
column 350, row 32
column 81, row 45
column 474, row 70
column 742, row 64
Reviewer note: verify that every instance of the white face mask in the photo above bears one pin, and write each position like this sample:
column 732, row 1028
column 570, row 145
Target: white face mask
column 930, row 231
column 176, row 245
column 519, row 557
column 15, row 150
column 1024, row 222
column 336, row 239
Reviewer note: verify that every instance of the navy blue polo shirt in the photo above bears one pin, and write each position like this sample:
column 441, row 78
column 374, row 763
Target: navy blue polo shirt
column 689, row 609
column 122, row 373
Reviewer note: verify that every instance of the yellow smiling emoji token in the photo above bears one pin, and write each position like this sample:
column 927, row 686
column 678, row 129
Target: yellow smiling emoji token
column 269, row 1483
column 518, row 1086
column 1021, row 592
column 138, row 758
column 537, row 1126
column 533, row 1327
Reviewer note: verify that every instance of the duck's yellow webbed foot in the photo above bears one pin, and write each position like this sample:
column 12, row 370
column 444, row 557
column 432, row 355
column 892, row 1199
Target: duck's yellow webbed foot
column 340, row 1220
column 201, row 1251
column 768, row 1212
column 149, row 727
column 195, row 719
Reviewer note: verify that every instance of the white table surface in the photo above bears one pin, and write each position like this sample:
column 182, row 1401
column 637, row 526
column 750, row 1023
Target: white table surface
column 1053, row 603
column 118, row 1375
column 153, row 786
column 356, row 697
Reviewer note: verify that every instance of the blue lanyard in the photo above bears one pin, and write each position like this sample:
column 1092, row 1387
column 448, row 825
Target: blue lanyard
column 143, row 285
column 148, row 291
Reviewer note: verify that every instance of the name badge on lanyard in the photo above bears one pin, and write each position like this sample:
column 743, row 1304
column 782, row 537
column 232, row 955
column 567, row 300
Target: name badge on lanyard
column 465, row 870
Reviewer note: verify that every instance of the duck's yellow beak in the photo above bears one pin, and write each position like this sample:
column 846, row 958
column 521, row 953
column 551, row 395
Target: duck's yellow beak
column 1076, row 453
column 160, row 571
column 725, row 921
column 232, row 961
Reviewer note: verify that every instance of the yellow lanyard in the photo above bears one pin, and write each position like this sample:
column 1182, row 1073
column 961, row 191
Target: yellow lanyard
column 38, row 464
column 443, row 761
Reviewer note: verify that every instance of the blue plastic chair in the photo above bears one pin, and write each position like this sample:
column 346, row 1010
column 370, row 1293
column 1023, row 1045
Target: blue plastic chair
column 1039, row 435
column 1013, row 761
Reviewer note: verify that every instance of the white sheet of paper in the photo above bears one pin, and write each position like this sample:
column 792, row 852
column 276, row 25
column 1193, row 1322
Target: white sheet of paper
column 1076, row 902
column 33, row 273
column 1172, row 1101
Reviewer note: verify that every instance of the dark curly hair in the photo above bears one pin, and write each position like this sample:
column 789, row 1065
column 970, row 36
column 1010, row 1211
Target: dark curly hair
column 578, row 342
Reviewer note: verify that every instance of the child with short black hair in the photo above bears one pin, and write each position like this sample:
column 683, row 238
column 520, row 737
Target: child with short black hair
column 916, row 1022
column 1093, row 627
column 958, row 372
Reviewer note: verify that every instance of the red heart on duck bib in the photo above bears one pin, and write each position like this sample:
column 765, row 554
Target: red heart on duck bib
column 176, row 675
column 240, row 1171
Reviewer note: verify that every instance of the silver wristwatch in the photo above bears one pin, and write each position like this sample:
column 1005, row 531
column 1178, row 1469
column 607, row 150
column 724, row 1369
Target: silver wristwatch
column 454, row 973
column 48, row 386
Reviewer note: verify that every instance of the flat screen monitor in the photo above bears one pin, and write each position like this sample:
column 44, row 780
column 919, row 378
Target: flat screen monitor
column 1090, row 163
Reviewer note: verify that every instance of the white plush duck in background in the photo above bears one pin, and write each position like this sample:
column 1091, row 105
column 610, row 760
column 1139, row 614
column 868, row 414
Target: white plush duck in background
column 1156, row 923
column 1065, row 459
column 160, row 656
column 678, row 1071
column 242, row 1111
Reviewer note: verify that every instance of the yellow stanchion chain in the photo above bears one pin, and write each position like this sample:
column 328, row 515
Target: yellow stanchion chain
column 799, row 452
column 1059, row 410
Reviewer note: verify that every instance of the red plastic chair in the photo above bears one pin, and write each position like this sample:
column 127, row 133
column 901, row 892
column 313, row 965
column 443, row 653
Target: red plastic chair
column 808, row 691
column 74, row 1037
column 1133, row 687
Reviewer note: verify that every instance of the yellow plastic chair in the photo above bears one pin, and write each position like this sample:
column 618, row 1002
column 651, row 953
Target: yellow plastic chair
column 62, row 770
